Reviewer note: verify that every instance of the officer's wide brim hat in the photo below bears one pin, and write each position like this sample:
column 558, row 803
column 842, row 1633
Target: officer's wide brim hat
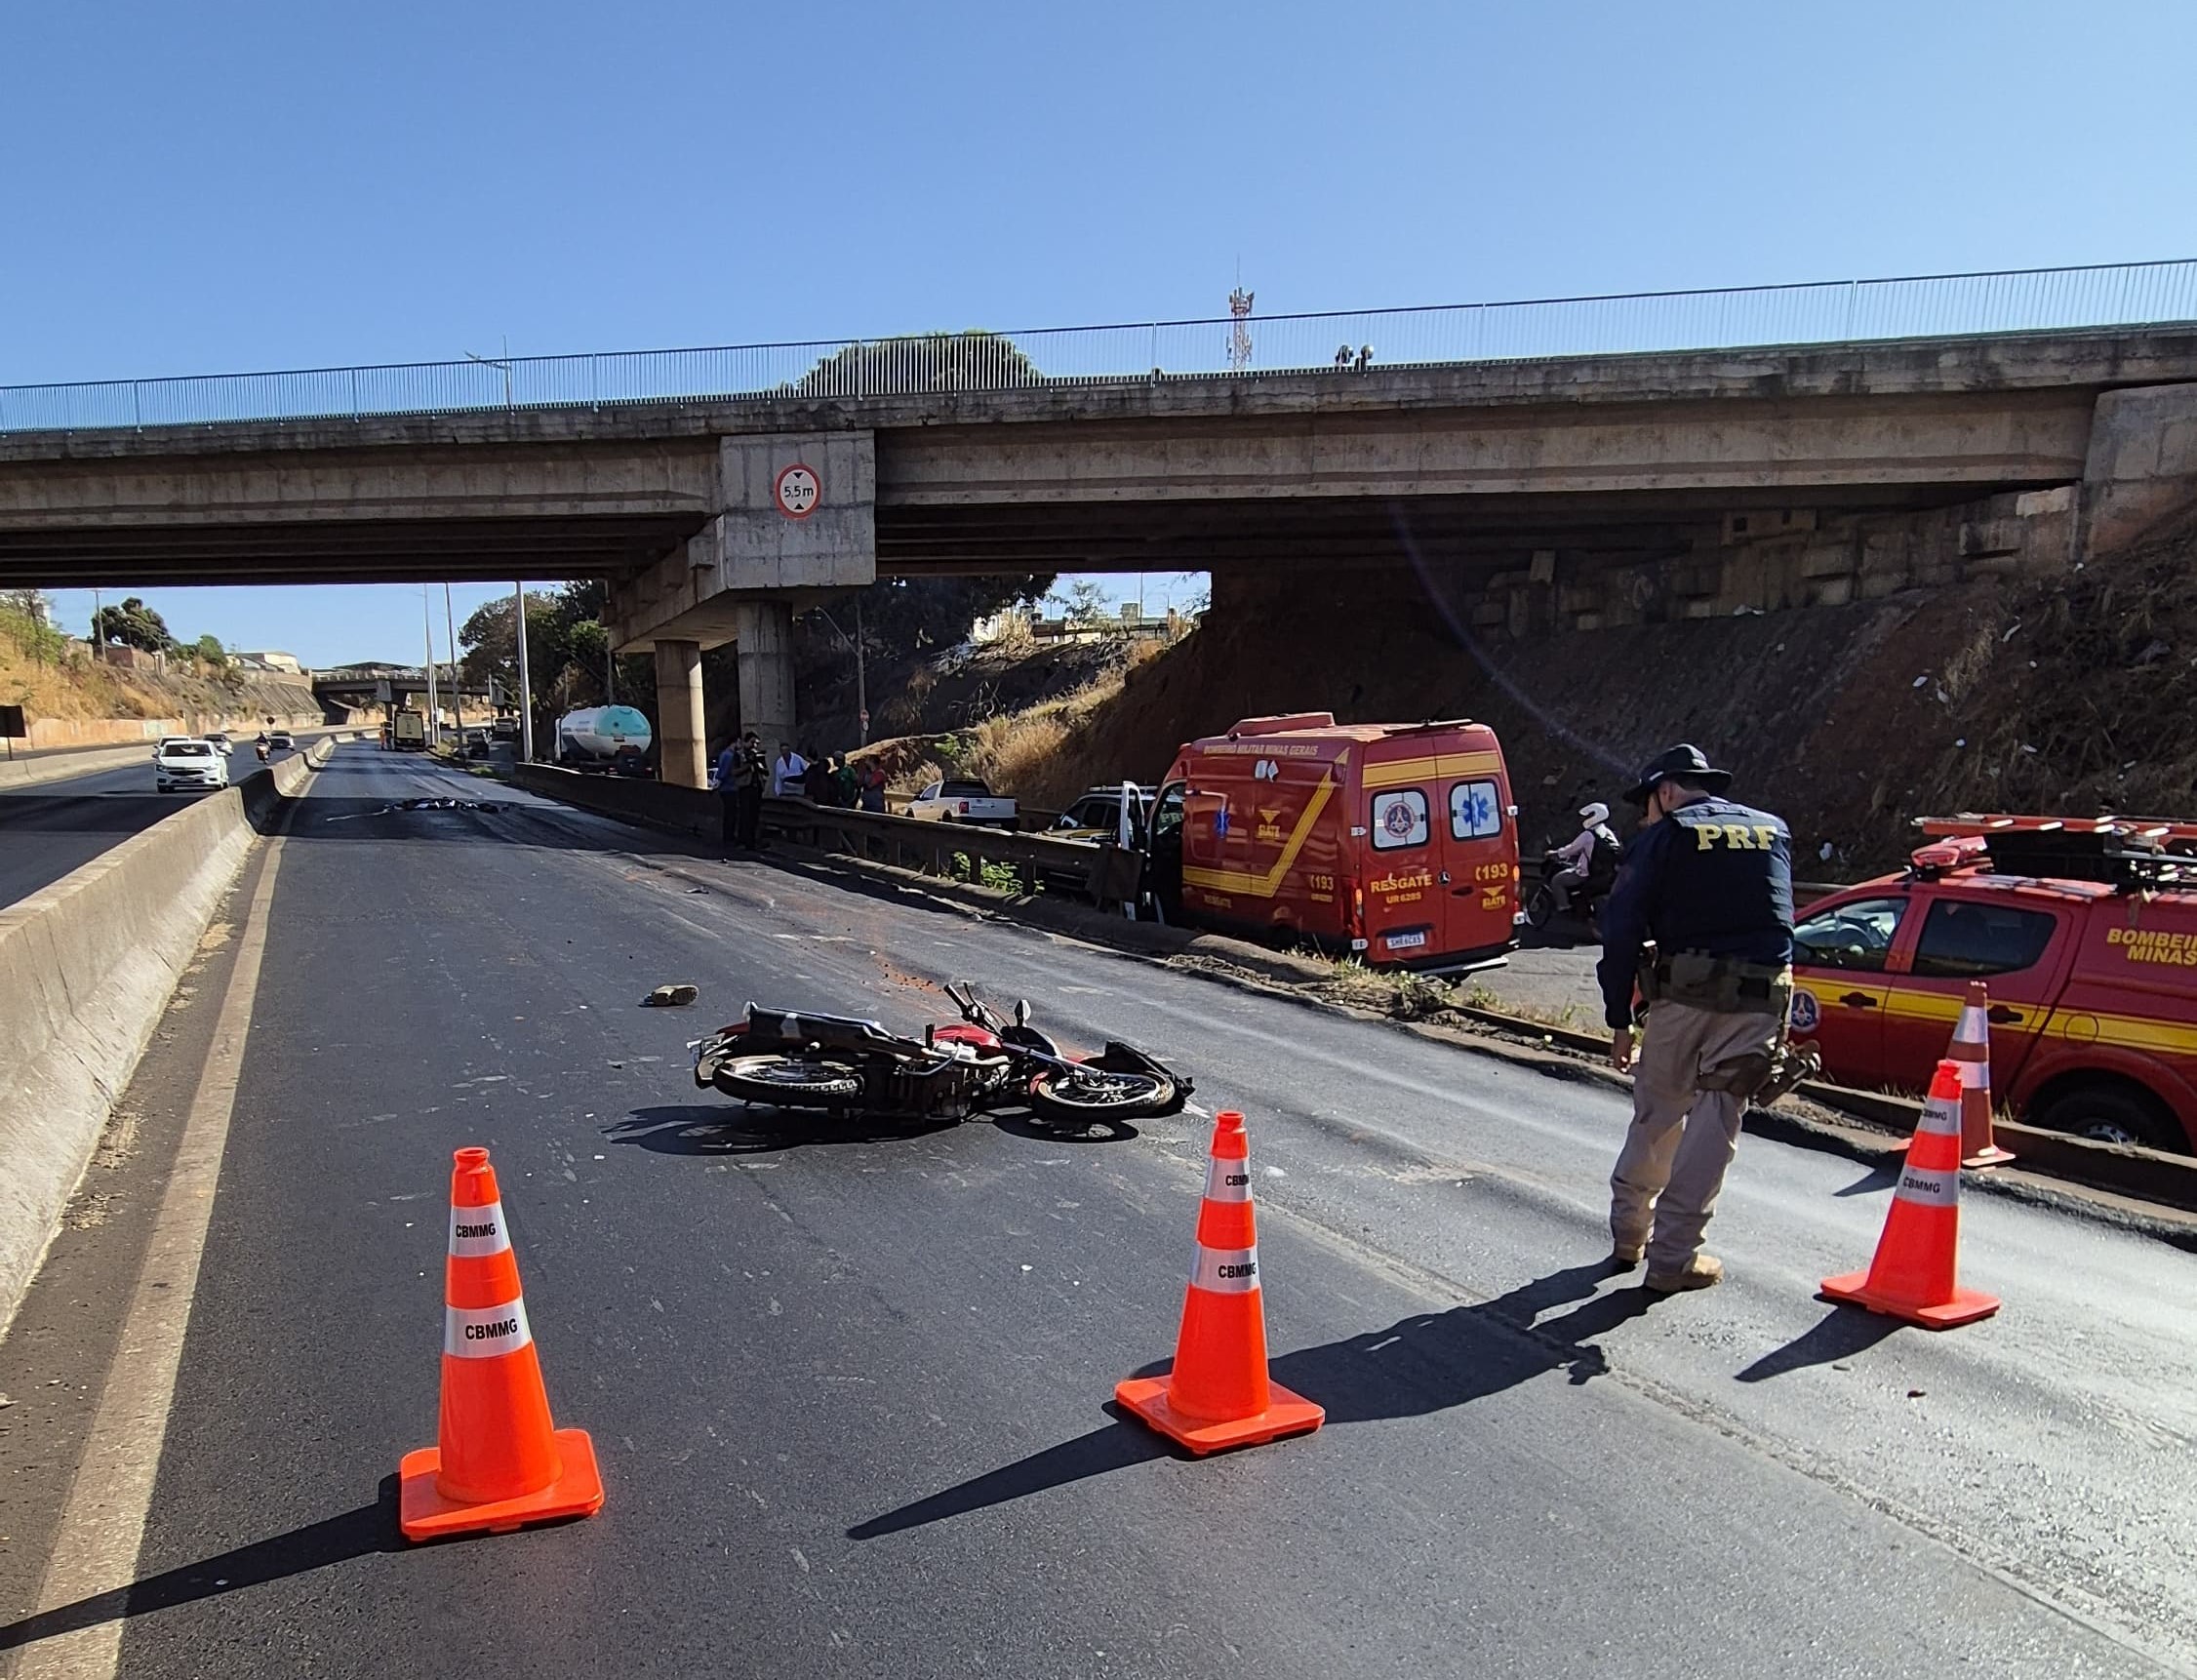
column 1686, row 760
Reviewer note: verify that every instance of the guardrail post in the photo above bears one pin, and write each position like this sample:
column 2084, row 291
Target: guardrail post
column 137, row 402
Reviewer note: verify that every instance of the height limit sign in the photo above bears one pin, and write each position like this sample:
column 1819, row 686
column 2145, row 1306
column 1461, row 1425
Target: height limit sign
column 797, row 491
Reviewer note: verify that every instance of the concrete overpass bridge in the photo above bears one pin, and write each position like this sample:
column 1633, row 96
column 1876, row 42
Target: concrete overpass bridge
column 1577, row 462
column 357, row 688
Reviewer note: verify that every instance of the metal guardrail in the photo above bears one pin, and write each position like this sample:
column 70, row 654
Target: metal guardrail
column 957, row 851
column 1823, row 313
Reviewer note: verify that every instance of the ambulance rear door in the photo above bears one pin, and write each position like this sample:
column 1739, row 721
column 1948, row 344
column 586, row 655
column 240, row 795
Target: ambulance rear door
column 1478, row 846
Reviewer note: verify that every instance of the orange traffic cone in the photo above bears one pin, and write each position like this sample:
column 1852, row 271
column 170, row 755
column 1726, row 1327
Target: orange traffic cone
column 498, row 1464
column 1971, row 1049
column 1219, row 1393
column 1913, row 1274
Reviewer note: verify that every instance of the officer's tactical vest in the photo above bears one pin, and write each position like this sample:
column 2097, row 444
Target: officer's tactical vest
column 1724, row 885
column 1729, row 873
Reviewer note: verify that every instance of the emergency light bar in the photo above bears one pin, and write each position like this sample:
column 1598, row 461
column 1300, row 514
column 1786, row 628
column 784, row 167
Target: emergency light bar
column 1987, row 824
column 2130, row 852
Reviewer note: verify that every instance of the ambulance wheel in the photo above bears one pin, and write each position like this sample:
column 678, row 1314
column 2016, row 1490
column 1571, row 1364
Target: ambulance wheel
column 1092, row 1097
column 2114, row 1113
column 788, row 1081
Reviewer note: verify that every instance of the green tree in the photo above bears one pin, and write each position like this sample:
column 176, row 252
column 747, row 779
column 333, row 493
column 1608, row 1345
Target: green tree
column 1083, row 604
column 210, row 650
column 568, row 654
column 134, row 624
column 974, row 360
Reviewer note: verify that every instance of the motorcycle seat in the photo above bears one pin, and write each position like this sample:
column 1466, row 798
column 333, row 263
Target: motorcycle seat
column 801, row 1026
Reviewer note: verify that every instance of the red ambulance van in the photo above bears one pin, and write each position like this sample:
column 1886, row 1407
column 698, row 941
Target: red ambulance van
column 1398, row 842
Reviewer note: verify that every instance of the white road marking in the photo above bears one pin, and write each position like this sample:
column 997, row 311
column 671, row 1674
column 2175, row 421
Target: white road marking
column 103, row 1524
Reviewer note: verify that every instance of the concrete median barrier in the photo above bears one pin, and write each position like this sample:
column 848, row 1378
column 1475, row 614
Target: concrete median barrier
column 87, row 966
column 690, row 811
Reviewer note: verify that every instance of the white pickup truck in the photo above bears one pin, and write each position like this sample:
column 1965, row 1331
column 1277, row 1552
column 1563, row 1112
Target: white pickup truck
column 969, row 802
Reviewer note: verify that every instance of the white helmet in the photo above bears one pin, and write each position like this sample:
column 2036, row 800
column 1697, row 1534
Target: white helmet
column 1595, row 814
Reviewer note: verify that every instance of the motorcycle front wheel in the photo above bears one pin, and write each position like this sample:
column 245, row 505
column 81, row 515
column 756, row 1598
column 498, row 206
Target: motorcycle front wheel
column 1088, row 1095
column 1540, row 908
column 789, row 1081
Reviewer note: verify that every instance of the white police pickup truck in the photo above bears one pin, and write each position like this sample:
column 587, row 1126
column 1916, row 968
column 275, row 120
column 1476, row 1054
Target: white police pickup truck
column 960, row 801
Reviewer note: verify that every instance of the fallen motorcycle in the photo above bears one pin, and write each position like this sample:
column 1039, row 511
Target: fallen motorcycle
column 841, row 1065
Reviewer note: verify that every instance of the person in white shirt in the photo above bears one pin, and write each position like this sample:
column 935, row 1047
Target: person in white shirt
column 786, row 771
column 1577, row 854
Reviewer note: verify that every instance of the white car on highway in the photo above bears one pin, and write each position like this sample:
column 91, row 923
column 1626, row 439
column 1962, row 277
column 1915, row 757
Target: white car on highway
column 187, row 761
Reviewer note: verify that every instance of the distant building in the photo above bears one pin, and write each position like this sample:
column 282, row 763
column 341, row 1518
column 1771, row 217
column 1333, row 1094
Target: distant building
column 272, row 660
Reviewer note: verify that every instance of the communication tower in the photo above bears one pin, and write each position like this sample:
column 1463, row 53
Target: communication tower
column 1239, row 333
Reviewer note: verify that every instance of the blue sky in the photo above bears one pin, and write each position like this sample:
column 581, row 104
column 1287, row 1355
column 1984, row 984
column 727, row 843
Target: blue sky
column 221, row 187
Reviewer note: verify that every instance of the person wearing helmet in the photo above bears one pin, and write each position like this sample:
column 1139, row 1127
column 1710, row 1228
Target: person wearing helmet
column 1588, row 857
column 1709, row 881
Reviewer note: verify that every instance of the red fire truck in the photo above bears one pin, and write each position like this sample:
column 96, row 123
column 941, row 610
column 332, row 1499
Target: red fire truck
column 2085, row 931
column 1398, row 842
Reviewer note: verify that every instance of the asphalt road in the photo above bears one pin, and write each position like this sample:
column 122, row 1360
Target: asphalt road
column 51, row 827
column 848, row 1386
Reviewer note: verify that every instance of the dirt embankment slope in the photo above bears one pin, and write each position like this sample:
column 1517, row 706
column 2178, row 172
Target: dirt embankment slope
column 2073, row 695
column 69, row 700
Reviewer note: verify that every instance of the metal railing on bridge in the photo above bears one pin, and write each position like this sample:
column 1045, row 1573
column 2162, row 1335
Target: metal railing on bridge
column 1824, row 313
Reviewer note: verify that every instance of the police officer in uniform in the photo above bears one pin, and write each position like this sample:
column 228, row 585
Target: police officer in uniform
column 1709, row 881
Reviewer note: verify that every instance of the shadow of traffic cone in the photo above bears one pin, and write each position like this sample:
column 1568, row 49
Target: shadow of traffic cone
column 1913, row 1275
column 1971, row 1049
column 497, row 1464
column 1217, row 1393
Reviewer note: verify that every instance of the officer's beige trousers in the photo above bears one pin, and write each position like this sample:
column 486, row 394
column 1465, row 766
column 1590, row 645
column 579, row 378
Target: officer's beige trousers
column 1683, row 1137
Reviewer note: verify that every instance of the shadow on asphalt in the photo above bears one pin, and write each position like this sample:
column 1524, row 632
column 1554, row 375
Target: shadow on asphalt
column 1881, row 1176
column 360, row 1533
column 1019, row 1124
column 1114, row 1447
column 698, row 1128
column 705, row 1129
column 1416, row 1367
column 89, row 812
column 1842, row 1333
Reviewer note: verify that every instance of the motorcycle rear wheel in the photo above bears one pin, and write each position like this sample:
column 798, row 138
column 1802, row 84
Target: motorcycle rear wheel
column 789, row 1081
column 1091, row 1096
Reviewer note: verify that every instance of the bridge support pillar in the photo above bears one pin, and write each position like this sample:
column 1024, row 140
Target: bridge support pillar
column 765, row 634
column 2142, row 470
column 684, row 753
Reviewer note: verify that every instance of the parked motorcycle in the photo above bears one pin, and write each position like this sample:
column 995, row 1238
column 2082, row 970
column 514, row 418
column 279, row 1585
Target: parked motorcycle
column 839, row 1064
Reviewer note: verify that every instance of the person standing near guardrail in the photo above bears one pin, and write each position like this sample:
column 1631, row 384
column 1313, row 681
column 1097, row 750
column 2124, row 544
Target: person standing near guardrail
column 786, row 771
column 738, row 782
column 752, row 774
column 1711, row 881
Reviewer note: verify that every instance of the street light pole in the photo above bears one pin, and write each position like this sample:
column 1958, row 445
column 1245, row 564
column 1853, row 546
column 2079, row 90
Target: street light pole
column 428, row 623
column 526, row 689
column 457, row 692
column 861, row 682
